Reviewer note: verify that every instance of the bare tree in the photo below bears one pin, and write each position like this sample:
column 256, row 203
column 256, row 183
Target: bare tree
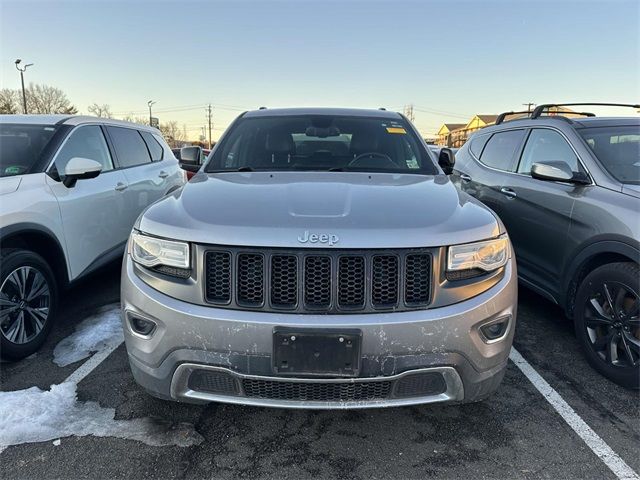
column 172, row 132
column 9, row 101
column 140, row 120
column 46, row 99
column 102, row 111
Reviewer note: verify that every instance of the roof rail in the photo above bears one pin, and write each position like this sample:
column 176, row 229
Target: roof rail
column 540, row 109
column 382, row 108
column 262, row 108
column 503, row 115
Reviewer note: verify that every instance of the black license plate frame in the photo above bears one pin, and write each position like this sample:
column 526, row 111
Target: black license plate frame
column 316, row 352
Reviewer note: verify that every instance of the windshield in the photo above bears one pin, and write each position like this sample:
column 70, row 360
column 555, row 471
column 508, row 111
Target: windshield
column 21, row 147
column 335, row 143
column 618, row 149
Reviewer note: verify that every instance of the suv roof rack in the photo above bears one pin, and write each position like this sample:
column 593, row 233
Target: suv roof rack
column 540, row 109
column 503, row 115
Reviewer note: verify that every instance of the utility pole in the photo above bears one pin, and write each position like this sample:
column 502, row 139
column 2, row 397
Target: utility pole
column 24, row 94
column 150, row 103
column 408, row 112
column 209, row 120
column 529, row 105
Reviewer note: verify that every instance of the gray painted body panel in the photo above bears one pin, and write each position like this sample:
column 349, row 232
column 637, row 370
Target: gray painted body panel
column 393, row 342
column 551, row 223
column 365, row 210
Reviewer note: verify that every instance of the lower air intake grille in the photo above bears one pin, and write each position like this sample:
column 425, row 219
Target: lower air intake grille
column 213, row 382
column 317, row 391
column 420, row 385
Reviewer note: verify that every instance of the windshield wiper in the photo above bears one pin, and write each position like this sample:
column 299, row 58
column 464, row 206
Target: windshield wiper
column 231, row 170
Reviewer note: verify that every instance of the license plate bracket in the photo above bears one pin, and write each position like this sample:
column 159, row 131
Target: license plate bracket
column 316, row 352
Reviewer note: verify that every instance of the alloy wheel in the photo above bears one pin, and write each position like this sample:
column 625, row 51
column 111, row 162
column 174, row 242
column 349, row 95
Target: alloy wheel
column 613, row 326
column 25, row 299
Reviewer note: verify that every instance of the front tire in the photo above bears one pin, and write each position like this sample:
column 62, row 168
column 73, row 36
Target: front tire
column 607, row 321
column 28, row 302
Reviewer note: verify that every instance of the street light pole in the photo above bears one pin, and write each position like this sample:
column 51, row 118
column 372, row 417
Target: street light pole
column 150, row 102
column 24, row 94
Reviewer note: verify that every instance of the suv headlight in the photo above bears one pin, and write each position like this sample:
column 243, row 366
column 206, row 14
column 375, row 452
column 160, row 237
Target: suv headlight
column 153, row 251
column 487, row 256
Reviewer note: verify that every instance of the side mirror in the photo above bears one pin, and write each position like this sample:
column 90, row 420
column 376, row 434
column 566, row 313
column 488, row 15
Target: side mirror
column 557, row 171
column 190, row 155
column 446, row 160
column 79, row 168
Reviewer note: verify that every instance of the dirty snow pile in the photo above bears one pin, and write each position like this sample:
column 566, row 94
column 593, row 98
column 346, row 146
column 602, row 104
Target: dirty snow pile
column 97, row 332
column 35, row 415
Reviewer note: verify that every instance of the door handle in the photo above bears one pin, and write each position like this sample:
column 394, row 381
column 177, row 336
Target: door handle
column 464, row 177
column 121, row 186
column 163, row 174
column 508, row 192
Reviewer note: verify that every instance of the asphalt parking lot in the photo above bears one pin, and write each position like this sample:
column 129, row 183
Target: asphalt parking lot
column 123, row 433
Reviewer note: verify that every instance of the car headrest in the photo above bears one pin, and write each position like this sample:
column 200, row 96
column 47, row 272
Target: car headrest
column 279, row 142
column 364, row 143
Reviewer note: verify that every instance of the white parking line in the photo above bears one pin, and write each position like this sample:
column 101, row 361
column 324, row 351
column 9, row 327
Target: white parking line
column 610, row 458
column 89, row 366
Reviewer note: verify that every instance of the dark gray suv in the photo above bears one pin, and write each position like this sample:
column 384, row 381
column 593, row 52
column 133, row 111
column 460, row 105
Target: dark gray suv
column 568, row 192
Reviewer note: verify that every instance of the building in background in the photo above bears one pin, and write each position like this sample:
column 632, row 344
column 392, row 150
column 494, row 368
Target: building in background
column 455, row 134
column 444, row 134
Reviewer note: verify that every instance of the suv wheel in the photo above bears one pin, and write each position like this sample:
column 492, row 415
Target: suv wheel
column 28, row 301
column 607, row 321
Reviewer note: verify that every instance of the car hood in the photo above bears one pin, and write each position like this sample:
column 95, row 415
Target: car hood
column 9, row 184
column 360, row 210
column 631, row 189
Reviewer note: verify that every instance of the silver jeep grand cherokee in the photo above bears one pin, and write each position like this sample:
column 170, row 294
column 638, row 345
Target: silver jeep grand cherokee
column 320, row 259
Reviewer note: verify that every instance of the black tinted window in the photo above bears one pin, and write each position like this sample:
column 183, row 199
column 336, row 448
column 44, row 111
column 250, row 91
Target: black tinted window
column 155, row 149
column 21, row 147
column 618, row 149
column 322, row 142
column 477, row 143
column 544, row 145
column 500, row 149
column 130, row 148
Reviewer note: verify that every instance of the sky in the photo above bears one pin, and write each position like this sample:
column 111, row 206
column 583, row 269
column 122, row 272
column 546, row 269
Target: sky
column 450, row 59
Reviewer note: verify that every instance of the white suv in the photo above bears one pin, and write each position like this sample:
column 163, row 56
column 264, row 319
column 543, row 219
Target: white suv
column 71, row 188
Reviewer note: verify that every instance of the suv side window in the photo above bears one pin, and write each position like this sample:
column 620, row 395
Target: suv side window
column 86, row 142
column 130, row 148
column 477, row 144
column 501, row 148
column 155, row 149
column 545, row 145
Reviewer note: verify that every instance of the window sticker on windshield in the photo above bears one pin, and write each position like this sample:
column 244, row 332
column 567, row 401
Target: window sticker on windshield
column 396, row 130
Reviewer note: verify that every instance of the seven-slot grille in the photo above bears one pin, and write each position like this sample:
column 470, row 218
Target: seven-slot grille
column 318, row 281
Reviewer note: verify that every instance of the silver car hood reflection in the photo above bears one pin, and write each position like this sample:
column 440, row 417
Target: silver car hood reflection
column 360, row 210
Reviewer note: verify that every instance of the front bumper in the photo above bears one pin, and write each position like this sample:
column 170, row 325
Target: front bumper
column 234, row 349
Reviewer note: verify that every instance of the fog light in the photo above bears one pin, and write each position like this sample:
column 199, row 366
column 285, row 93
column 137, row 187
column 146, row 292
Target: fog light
column 495, row 330
column 142, row 326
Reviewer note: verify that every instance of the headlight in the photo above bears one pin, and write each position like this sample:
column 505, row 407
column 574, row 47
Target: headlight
column 152, row 251
column 488, row 255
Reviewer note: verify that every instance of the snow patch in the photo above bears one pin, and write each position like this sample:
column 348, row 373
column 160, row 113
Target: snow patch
column 35, row 415
column 97, row 332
